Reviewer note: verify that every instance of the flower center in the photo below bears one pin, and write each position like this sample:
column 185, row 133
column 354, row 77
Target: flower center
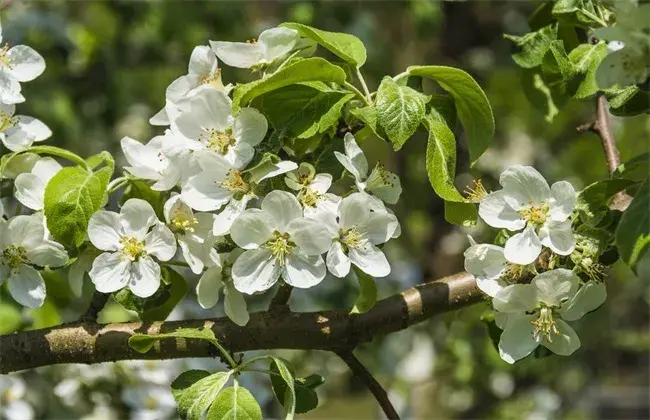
column 218, row 141
column 151, row 403
column 379, row 177
column 184, row 224
column 14, row 255
column 308, row 197
column 5, row 60
column 8, row 396
column 280, row 246
column 132, row 248
column 7, row 121
column 535, row 214
column 476, row 192
column 351, row 239
column 235, row 182
column 213, row 79
column 545, row 324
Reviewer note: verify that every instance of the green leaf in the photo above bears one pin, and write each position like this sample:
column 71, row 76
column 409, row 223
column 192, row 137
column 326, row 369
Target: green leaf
column 587, row 58
column 235, row 403
column 142, row 343
column 533, row 46
column 305, row 394
column 472, row 105
column 348, row 47
column 103, row 157
column 368, row 115
column 196, row 390
column 629, row 101
column 286, row 392
column 581, row 12
column 593, row 241
column 635, row 169
column 592, row 201
column 400, row 110
column 633, row 232
column 441, row 158
column 303, row 110
column 367, row 293
column 71, row 197
column 462, row 214
column 307, row 70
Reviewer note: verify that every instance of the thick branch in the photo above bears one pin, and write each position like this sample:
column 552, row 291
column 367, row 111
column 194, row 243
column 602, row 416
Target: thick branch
column 88, row 342
column 371, row 383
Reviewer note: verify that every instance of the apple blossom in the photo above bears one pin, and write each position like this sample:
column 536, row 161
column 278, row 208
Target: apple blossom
column 12, row 395
column 312, row 190
column 129, row 246
column 148, row 161
column 271, row 45
column 487, row 263
column 18, row 132
column 526, row 202
column 30, row 187
column 24, row 245
column 381, row 183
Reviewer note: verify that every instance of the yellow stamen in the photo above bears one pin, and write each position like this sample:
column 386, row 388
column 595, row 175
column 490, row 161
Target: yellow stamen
column 308, row 197
column 351, row 239
column 150, row 403
column 7, row 120
column 545, row 325
column 476, row 192
column 280, row 246
column 218, row 141
column 132, row 248
column 235, row 182
column 535, row 214
column 5, row 60
column 183, row 224
column 14, row 255
column 213, row 79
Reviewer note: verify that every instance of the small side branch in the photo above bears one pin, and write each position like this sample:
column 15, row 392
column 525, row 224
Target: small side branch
column 97, row 303
column 360, row 371
column 281, row 299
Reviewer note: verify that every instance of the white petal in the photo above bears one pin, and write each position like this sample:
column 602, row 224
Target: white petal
column 515, row 298
column 202, row 61
column 203, row 192
column 48, row 253
column 176, row 208
column 207, row 290
column 238, row 54
column 354, row 210
column 160, row 119
column 589, row 297
column 379, row 228
column 27, row 287
column 555, row 286
column 563, row 201
column 497, row 213
column 240, row 155
column 252, row 228
column 517, row 339
column 30, row 191
column 35, row 129
column 224, row 220
column 160, row 242
column 321, row 183
column 277, row 42
column 310, row 235
column 487, row 263
column 110, row 272
column 564, row 343
column 523, row 248
column 384, row 184
column 145, row 160
column 193, row 253
column 10, row 90
column 26, row 64
column 105, row 230
column 303, row 271
column 337, row 262
column 16, row 140
column 27, row 231
column 272, row 170
column 19, row 410
column 370, row 259
column 558, row 236
column 145, row 277
column 283, row 207
column 255, row 271
column 235, row 306
column 137, row 217
column 250, row 126
column 523, row 184
column 208, row 109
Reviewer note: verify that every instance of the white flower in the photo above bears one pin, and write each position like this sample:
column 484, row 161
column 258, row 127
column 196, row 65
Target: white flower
column 278, row 241
column 129, row 245
column 207, row 124
column 202, row 70
column 17, row 64
column 148, row 161
column 526, row 202
column 149, row 402
column 12, row 394
column 312, row 190
column 488, row 265
column 190, row 230
column 23, row 245
column 30, row 187
column 535, row 313
column 19, row 132
column 356, row 235
column 272, row 44
column 381, row 183
column 220, row 275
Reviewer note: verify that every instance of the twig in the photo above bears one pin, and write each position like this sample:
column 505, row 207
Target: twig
column 97, row 303
column 360, row 371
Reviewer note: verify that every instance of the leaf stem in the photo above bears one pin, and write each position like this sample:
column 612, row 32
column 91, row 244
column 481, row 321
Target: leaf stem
column 364, row 86
column 174, row 263
column 358, row 93
column 116, row 184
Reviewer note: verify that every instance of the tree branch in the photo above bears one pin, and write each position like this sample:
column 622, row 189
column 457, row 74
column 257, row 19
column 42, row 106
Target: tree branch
column 371, row 383
column 337, row 330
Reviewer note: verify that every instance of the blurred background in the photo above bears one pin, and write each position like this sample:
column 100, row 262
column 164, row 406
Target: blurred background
column 108, row 65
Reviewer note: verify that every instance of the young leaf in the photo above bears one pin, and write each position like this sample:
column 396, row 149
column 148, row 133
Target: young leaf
column 462, row 214
column 539, row 94
column 400, row 110
column 307, row 70
column 348, row 47
column 472, row 105
column 303, row 110
column 367, row 293
column 635, row 169
column 533, row 46
column 587, row 58
column 103, row 157
column 71, row 197
column 306, row 396
column 235, row 403
column 287, row 396
column 368, row 115
column 142, row 343
column 592, row 201
column 633, row 232
column 441, row 158
column 581, row 12
column 196, row 390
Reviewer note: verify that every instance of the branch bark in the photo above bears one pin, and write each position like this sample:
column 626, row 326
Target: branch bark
column 360, row 371
column 336, row 330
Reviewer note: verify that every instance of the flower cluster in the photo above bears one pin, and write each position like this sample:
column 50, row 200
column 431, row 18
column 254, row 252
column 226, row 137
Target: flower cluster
column 221, row 189
column 533, row 294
